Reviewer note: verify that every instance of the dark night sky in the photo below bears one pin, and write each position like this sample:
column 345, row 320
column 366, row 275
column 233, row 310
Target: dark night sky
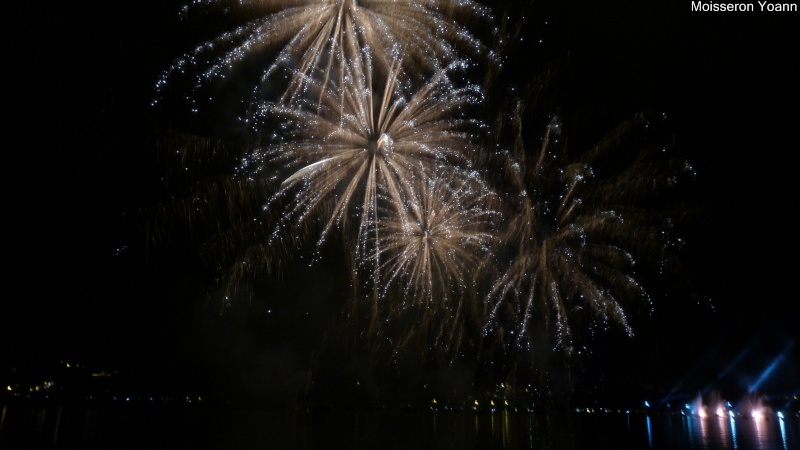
column 81, row 284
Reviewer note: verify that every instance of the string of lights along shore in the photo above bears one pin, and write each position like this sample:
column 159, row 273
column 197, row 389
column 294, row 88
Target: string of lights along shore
column 371, row 133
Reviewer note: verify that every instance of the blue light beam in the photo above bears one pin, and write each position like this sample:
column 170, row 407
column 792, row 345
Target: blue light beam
column 771, row 368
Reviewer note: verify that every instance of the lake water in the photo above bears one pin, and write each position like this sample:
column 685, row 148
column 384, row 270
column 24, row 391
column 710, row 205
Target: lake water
column 37, row 426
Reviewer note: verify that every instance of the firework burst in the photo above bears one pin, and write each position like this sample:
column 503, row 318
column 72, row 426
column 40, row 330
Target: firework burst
column 428, row 254
column 579, row 225
column 374, row 144
column 348, row 146
column 306, row 37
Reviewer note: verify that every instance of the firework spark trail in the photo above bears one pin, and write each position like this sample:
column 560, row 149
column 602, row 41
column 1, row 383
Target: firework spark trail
column 429, row 251
column 314, row 36
column 575, row 233
column 340, row 156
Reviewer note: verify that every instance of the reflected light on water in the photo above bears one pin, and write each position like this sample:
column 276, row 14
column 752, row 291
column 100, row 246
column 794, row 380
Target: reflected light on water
column 41, row 416
column 507, row 431
column 61, row 428
column 758, row 429
column 703, row 426
column 733, row 431
column 531, row 423
column 783, row 431
column 759, row 422
column 58, row 424
column 687, row 420
column 3, row 417
column 723, row 425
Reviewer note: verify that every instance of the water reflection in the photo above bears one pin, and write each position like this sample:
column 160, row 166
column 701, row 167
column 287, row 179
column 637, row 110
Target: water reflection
column 702, row 425
column 783, row 431
column 61, row 427
column 722, row 425
column 762, row 432
column 3, row 415
column 58, row 424
column 766, row 432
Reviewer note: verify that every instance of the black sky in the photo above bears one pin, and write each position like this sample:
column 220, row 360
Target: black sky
column 82, row 285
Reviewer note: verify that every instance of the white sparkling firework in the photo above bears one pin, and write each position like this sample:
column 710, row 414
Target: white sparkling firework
column 373, row 138
column 313, row 36
column 574, row 234
column 429, row 252
column 347, row 147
